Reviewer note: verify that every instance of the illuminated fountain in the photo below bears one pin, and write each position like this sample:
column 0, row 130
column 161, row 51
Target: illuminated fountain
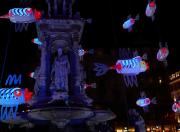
column 58, row 98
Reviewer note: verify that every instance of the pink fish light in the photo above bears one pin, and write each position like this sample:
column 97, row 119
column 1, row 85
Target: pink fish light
column 91, row 85
column 82, row 52
column 132, row 66
column 151, row 9
column 163, row 53
column 176, row 107
column 128, row 24
column 144, row 102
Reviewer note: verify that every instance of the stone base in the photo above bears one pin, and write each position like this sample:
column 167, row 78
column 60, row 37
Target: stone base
column 65, row 119
column 39, row 100
column 81, row 99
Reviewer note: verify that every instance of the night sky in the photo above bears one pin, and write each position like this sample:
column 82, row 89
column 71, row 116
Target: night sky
column 105, row 35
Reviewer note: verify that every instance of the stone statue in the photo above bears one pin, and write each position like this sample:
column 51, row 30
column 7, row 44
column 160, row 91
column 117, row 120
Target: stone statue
column 59, row 76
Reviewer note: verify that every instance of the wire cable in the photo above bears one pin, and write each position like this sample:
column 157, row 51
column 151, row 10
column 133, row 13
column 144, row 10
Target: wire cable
column 5, row 56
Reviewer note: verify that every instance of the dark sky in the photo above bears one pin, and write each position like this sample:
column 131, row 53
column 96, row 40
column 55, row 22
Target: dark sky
column 104, row 32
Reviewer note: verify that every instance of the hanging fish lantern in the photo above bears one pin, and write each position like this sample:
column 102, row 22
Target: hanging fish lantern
column 22, row 17
column 128, row 24
column 14, row 96
column 37, row 41
column 82, row 52
column 163, row 53
column 10, row 98
column 132, row 66
column 92, row 85
column 144, row 102
column 151, row 9
column 176, row 107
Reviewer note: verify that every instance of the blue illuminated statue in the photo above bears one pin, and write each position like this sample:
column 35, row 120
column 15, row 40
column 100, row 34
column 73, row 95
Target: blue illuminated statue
column 59, row 75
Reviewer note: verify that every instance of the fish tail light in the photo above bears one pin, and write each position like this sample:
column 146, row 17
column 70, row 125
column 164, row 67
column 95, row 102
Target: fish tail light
column 132, row 20
column 112, row 67
column 37, row 14
column 32, row 40
column 27, row 95
column 147, row 66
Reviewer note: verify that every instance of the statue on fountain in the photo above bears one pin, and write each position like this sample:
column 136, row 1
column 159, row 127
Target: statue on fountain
column 59, row 77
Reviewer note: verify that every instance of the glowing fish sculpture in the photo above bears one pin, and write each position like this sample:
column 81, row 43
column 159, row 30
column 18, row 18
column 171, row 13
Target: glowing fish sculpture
column 10, row 98
column 37, row 41
column 132, row 66
column 151, row 9
column 162, row 53
column 82, row 52
column 128, row 24
column 176, row 107
column 22, row 17
column 144, row 101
